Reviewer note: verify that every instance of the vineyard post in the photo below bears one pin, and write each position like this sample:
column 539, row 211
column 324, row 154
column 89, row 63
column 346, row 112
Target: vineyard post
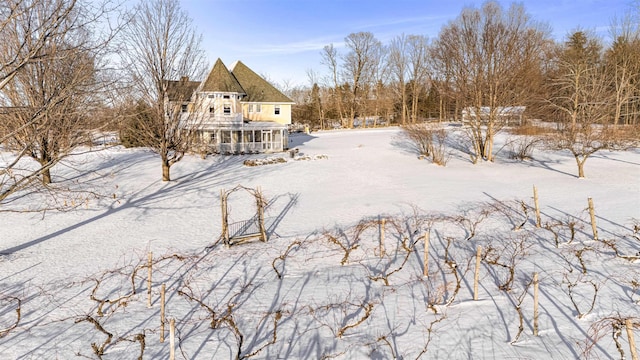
column 593, row 219
column 632, row 342
column 476, row 276
column 162, row 318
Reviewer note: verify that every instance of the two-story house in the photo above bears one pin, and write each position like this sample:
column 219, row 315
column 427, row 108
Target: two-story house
column 236, row 110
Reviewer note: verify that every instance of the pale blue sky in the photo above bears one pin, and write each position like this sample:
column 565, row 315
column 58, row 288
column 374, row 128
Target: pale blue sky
column 283, row 38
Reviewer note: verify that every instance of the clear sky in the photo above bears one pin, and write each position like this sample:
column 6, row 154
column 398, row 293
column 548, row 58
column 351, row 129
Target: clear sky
column 282, row 39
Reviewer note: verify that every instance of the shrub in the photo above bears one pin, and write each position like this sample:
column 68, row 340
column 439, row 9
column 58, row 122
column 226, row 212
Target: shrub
column 429, row 140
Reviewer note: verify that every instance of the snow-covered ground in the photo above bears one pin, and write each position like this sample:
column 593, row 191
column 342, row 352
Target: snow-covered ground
column 320, row 287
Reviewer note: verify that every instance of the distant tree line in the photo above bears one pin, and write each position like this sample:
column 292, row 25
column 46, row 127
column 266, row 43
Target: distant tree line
column 486, row 57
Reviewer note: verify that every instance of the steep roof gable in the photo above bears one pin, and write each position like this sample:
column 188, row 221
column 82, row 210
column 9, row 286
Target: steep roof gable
column 220, row 79
column 257, row 88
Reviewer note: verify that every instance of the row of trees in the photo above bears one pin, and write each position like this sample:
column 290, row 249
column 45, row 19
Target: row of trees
column 50, row 84
column 72, row 68
column 486, row 58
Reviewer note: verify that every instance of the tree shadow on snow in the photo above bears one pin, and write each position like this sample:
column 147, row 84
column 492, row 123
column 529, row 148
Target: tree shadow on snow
column 204, row 181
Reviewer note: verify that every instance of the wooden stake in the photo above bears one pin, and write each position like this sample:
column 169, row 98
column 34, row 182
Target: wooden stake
column 537, row 205
column 260, row 202
column 535, row 304
column 162, row 319
column 632, row 342
column 149, row 265
column 476, row 275
column 426, row 254
column 172, row 339
column 382, row 251
column 593, row 219
column 225, row 224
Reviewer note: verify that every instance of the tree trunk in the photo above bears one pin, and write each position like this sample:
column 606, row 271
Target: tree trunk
column 580, row 166
column 489, row 142
column 46, row 176
column 404, row 103
column 414, row 107
column 165, row 170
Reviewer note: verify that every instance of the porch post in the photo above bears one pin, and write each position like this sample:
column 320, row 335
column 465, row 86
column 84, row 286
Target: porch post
column 243, row 148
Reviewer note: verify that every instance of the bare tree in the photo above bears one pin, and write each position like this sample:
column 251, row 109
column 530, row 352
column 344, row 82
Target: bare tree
column 377, row 98
column 584, row 100
column 14, row 16
column 315, row 99
column 418, row 51
column 622, row 60
column 359, row 67
column 162, row 52
column 330, row 60
column 490, row 56
column 51, row 58
column 398, row 64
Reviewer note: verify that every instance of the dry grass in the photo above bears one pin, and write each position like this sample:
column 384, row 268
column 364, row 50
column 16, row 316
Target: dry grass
column 529, row 130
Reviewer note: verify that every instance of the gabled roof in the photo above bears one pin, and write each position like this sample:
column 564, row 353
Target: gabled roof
column 220, row 79
column 257, row 88
column 181, row 90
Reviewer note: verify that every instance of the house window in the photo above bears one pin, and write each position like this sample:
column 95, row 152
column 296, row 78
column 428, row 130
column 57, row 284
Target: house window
column 212, row 138
column 237, row 136
column 248, row 137
column 225, row 137
column 183, row 108
column 250, row 108
column 226, row 97
column 227, row 109
column 258, row 108
column 277, row 110
column 258, row 136
column 211, row 96
column 211, row 110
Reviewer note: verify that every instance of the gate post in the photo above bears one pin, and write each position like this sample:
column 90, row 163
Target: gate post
column 260, row 202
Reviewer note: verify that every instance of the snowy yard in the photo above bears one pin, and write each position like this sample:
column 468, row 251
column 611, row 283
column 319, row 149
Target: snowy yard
column 332, row 281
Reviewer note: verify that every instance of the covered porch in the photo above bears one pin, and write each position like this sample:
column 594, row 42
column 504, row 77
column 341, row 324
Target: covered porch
column 246, row 138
